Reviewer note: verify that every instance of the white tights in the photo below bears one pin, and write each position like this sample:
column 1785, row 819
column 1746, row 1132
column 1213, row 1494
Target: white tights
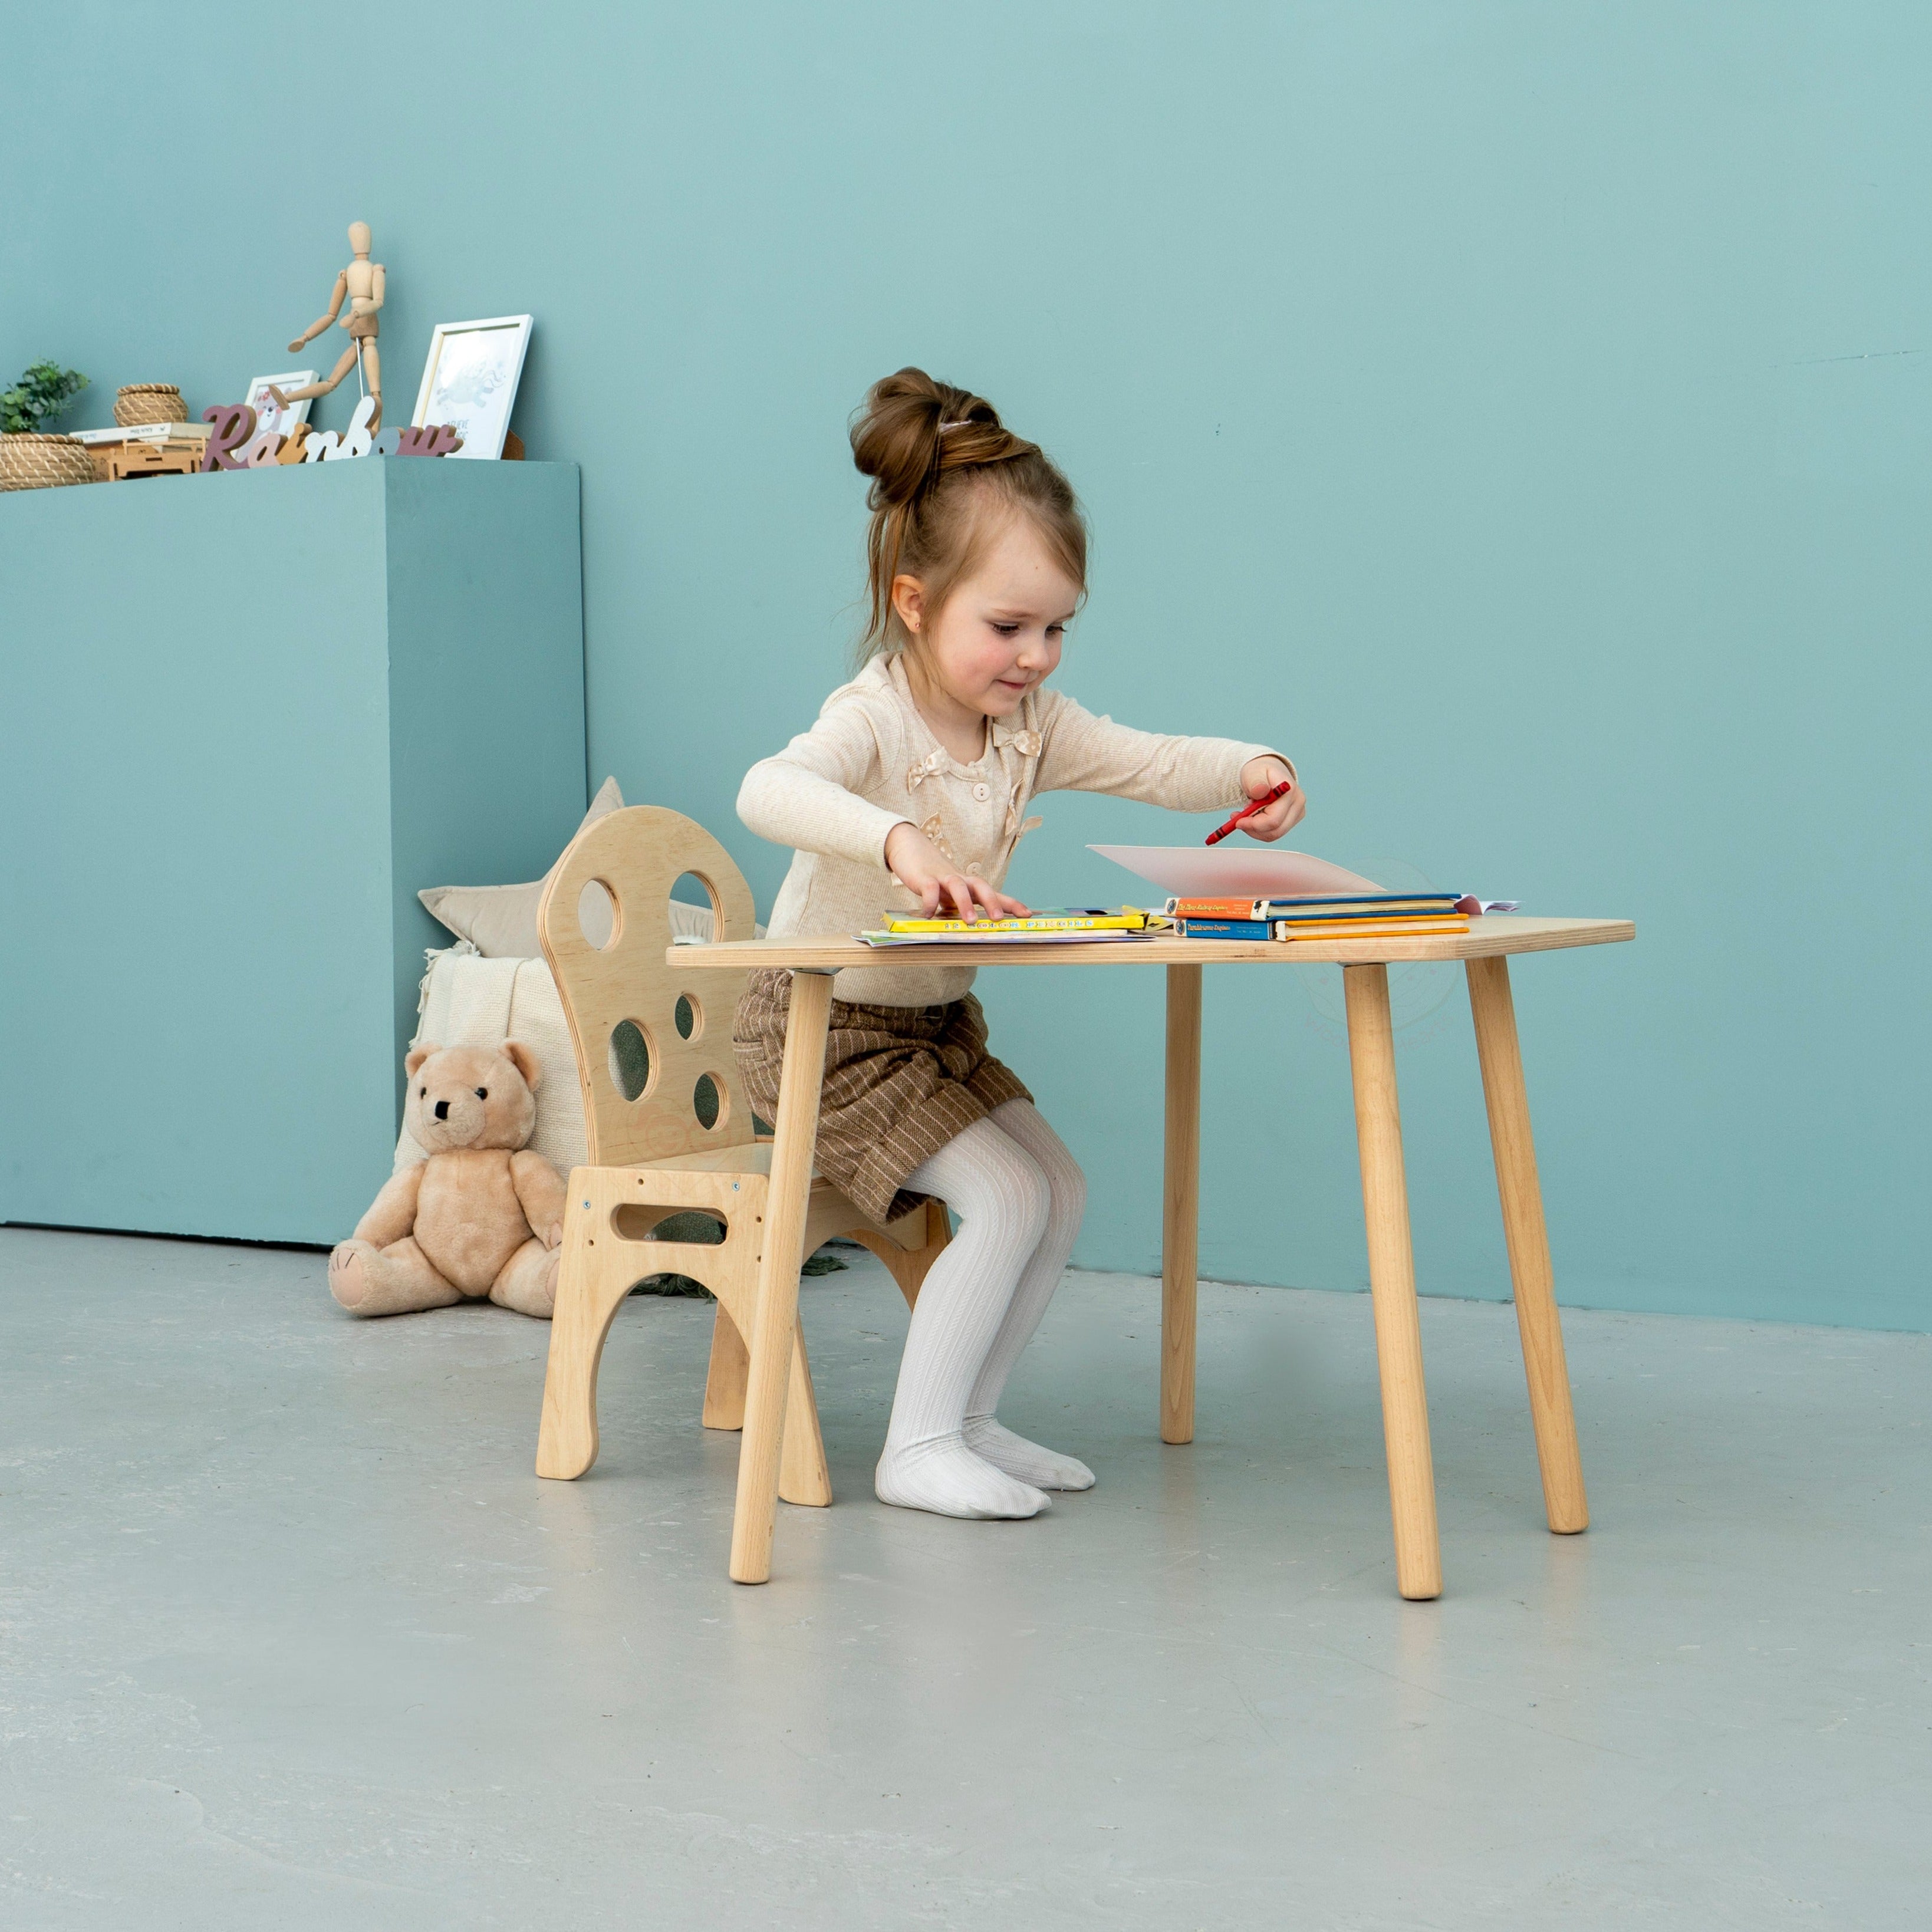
column 1019, row 1195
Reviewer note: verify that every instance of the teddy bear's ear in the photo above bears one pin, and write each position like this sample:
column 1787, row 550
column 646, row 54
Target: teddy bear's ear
column 525, row 1062
column 416, row 1055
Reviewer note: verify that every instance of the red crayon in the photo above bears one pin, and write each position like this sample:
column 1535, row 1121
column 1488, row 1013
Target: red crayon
column 1281, row 790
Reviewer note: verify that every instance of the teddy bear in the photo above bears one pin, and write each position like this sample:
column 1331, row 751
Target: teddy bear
column 481, row 1216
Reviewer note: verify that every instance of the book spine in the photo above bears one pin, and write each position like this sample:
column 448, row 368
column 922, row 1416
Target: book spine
column 1216, row 908
column 1192, row 928
column 1395, row 920
column 1366, row 928
column 1363, row 908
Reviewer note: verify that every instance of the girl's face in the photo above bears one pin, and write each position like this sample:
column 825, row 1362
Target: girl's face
column 999, row 635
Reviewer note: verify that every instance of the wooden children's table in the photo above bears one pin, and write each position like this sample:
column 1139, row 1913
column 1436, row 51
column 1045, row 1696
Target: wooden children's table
column 1484, row 950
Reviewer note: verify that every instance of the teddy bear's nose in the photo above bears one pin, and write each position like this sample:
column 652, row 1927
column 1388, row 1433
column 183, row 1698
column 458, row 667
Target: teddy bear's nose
column 442, row 1110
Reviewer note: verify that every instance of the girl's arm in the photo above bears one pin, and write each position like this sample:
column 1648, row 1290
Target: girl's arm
column 807, row 796
column 1259, row 776
column 1084, row 753
column 915, row 862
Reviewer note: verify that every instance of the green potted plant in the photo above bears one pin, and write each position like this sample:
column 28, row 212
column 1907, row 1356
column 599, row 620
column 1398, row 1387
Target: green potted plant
column 30, row 458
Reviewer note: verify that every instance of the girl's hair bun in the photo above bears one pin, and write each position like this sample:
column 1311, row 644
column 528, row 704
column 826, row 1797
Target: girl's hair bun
column 939, row 460
column 910, row 428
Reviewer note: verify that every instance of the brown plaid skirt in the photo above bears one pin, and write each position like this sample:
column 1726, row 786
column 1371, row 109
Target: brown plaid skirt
column 900, row 1082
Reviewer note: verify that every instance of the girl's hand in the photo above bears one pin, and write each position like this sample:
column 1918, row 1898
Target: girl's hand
column 1259, row 776
column 943, row 890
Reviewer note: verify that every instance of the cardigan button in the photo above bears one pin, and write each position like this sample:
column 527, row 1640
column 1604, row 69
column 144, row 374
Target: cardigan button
column 982, row 792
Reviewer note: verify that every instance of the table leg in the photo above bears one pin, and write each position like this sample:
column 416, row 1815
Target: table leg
column 1418, row 1559
column 1537, row 1320
column 1180, row 1209
column 775, row 1322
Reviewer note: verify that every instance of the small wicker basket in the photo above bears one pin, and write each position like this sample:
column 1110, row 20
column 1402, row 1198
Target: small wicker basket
column 36, row 462
column 148, row 403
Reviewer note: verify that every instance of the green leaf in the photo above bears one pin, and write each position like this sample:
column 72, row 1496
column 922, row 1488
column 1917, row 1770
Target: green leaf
column 42, row 392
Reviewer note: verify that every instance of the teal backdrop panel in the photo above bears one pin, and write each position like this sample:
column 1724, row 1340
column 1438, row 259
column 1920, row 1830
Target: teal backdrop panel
column 245, row 718
column 483, row 572
column 1519, row 412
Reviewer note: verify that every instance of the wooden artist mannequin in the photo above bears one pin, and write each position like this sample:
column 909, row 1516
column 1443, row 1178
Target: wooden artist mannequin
column 361, row 284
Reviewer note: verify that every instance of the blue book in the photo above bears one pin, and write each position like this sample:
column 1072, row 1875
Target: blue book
column 1227, row 928
column 1448, row 919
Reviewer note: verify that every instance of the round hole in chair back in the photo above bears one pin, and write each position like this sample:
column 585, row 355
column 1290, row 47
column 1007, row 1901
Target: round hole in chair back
column 688, row 1017
column 630, row 1057
column 597, row 917
column 695, row 913
column 707, row 1101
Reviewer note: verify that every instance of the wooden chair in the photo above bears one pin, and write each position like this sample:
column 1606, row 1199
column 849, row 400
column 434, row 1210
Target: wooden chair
column 681, row 1141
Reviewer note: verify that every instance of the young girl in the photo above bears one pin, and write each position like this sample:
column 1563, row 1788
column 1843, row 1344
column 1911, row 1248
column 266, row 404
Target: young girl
column 912, row 789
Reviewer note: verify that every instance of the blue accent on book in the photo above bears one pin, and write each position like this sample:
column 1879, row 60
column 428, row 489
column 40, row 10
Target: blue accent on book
column 1290, row 908
column 1227, row 928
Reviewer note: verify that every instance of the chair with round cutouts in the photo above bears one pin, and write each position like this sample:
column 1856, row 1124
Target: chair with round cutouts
column 678, row 1174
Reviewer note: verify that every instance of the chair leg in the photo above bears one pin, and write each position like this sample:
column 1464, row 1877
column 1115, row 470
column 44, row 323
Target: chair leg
column 730, row 1366
column 803, row 1475
column 918, row 1264
column 775, row 1326
column 1418, row 1559
column 592, row 1282
column 1537, row 1320
column 909, row 1267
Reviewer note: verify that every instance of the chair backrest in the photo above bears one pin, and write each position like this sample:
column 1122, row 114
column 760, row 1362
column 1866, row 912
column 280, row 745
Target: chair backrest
column 653, row 1043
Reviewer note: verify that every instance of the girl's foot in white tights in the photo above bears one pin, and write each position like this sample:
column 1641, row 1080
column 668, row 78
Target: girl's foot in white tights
column 1001, row 1198
column 976, row 1310
column 1022, row 1123
column 993, row 1442
column 941, row 1474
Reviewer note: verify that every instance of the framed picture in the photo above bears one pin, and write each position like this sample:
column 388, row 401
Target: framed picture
column 267, row 416
column 470, row 381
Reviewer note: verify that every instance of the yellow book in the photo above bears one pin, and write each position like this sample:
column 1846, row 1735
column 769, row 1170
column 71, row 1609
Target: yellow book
column 1368, row 928
column 1065, row 919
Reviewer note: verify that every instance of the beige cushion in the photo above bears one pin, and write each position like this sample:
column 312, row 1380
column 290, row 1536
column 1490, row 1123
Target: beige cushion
column 501, row 921
column 469, row 1000
column 494, row 985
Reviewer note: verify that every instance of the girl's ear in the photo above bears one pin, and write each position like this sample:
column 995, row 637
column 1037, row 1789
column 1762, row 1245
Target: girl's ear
column 909, row 601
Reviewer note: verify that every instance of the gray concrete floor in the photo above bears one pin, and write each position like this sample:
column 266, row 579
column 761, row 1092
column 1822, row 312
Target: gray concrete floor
column 290, row 1635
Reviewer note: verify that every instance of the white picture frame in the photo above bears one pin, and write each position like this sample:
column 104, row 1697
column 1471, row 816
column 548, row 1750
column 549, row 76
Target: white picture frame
column 267, row 416
column 470, row 381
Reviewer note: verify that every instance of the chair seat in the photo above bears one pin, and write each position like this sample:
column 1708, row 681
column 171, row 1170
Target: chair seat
column 828, row 1203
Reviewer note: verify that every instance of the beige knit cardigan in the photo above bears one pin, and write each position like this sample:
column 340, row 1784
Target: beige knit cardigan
column 872, row 762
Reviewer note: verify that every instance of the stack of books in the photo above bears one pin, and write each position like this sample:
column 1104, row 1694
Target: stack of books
column 145, row 449
column 1323, row 915
column 179, row 432
column 1053, row 925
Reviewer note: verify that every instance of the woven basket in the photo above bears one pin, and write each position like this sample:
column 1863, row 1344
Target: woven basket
column 41, row 462
column 148, row 403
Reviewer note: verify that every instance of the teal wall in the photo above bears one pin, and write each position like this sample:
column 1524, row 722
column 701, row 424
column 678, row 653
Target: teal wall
column 1519, row 412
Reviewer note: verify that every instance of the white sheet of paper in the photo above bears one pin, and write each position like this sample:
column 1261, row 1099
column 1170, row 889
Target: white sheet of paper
column 1234, row 871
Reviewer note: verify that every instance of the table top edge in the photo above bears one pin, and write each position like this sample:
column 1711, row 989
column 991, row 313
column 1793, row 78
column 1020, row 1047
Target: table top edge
column 1494, row 935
